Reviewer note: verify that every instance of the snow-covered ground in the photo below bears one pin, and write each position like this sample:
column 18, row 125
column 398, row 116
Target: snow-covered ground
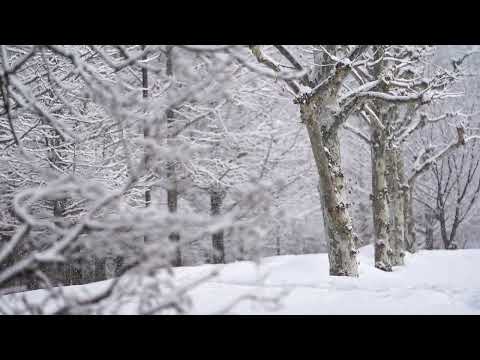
column 432, row 282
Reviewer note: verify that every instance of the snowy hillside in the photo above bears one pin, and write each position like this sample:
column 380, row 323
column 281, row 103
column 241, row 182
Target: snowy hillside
column 432, row 282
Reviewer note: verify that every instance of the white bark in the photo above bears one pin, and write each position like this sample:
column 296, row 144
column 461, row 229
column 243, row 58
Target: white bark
column 395, row 189
column 380, row 206
column 337, row 221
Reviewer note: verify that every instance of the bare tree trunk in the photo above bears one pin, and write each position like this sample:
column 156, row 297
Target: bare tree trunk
column 320, row 112
column 410, row 233
column 119, row 265
column 380, row 201
column 429, row 222
column 146, row 134
column 443, row 228
column 452, row 244
column 216, row 200
column 172, row 192
column 383, row 174
column 172, row 202
column 338, row 224
column 397, row 223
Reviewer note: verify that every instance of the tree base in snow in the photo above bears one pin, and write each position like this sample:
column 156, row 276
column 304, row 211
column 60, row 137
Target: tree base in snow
column 343, row 273
column 382, row 266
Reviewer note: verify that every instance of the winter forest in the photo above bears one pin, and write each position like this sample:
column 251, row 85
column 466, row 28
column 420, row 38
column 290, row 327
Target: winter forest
column 239, row 179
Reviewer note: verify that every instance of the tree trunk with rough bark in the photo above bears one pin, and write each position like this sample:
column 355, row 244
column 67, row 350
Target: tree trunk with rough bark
column 320, row 112
column 380, row 206
column 338, row 224
column 397, row 223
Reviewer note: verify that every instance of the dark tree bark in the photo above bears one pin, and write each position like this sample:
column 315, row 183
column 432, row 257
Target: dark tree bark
column 456, row 179
column 429, row 223
column 216, row 200
column 172, row 192
column 119, row 265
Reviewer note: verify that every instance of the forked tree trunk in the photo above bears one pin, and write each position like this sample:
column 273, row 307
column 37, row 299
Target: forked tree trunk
column 319, row 112
column 443, row 229
column 338, row 224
